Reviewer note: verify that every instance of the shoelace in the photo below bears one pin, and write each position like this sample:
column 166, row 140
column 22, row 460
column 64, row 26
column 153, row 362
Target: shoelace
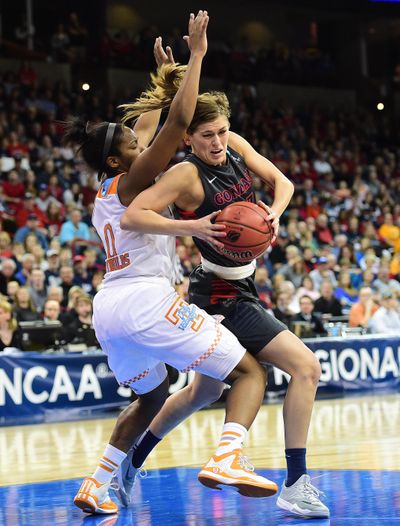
column 141, row 473
column 245, row 463
column 312, row 492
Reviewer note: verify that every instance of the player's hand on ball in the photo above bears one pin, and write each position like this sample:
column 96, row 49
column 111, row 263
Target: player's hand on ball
column 205, row 229
column 273, row 217
column 162, row 56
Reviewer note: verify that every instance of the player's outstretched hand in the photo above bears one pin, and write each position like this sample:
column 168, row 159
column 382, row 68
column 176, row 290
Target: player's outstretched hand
column 273, row 217
column 205, row 229
column 197, row 38
column 162, row 56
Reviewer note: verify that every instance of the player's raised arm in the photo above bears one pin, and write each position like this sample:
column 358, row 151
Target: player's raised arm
column 146, row 125
column 154, row 159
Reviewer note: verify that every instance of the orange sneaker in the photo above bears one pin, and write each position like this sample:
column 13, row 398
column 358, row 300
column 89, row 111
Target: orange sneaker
column 234, row 470
column 93, row 497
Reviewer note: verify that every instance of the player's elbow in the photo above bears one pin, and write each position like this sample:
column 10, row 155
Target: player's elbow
column 127, row 221
column 289, row 186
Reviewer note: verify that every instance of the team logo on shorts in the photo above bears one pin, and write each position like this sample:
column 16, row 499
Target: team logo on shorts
column 183, row 315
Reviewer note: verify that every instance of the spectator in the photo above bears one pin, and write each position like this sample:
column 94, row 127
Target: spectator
column 323, row 232
column 80, row 330
column 60, row 44
column 344, row 292
column 37, row 289
column 288, row 287
column 29, row 208
column 277, row 256
column 294, row 270
column 383, row 284
column 386, row 320
column 361, row 312
column 52, row 273
column 9, row 333
column 327, row 303
column 282, row 311
column 390, row 232
column 7, row 274
column 313, row 327
column 82, row 277
column 307, row 288
column 5, row 246
column 67, row 282
column 12, row 289
column 321, row 273
column 43, row 199
column 54, row 218
column 77, row 34
column 24, row 308
column 31, row 227
column 23, row 275
column 14, row 191
column 263, row 286
column 55, row 293
column 97, row 282
column 74, row 229
column 51, row 310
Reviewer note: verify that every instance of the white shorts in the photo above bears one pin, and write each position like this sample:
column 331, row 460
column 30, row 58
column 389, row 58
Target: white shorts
column 141, row 326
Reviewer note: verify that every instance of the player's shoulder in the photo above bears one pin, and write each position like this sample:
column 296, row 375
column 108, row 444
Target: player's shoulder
column 183, row 169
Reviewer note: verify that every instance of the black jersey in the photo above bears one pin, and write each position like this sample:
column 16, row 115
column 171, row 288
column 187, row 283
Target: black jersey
column 223, row 185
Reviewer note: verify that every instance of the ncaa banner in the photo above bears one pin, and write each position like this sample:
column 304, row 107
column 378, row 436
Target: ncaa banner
column 351, row 364
column 34, row 383
column 44, row 386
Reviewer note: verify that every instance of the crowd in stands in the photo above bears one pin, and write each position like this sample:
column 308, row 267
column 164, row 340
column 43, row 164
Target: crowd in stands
column 337, row 254
column 230, row 59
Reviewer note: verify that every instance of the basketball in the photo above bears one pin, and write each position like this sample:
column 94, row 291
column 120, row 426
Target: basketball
column 248, row 234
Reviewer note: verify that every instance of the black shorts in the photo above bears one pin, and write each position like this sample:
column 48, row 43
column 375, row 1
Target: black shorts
column 238, row 301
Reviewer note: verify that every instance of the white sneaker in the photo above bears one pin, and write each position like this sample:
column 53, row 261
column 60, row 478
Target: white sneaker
column 124, row 479
column 93, row 497
column 302, row 498
column 234, row 470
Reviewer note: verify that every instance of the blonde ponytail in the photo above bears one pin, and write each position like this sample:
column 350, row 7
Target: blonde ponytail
column 164, row 85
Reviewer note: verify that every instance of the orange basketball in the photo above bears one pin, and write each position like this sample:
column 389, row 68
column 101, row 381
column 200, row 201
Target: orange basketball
column 248, row 234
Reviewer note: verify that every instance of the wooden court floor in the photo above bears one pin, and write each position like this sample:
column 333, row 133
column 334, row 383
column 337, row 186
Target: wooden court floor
column 352, row 441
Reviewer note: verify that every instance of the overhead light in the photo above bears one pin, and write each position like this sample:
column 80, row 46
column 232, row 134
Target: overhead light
column 86, row 86
column 380, row 106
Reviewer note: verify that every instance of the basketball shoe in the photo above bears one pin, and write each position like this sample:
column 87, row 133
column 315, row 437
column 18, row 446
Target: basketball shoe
column 124, row 479
column 93, row 497
column 234, row 470
column 302, row 498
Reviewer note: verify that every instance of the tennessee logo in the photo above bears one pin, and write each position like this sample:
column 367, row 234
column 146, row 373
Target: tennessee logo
column 183, row 315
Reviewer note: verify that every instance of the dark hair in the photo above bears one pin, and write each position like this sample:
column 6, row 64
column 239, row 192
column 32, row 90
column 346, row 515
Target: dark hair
column 96, row 142
column 307, row 297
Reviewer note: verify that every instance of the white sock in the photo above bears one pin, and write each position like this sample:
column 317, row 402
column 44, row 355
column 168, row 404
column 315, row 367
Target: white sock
column 232, row 437
column 108, row 464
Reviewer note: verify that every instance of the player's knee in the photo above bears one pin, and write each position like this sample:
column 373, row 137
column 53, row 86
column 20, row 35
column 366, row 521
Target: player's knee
column 202, row 397
column 153, row 401
column 310, row 371
column 250, row 367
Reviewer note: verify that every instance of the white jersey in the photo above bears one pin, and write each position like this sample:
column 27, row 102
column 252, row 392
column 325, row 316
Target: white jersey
column 129, row 255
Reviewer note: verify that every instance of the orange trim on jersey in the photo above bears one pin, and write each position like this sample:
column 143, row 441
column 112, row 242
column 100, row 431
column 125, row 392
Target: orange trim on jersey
column 112, row 188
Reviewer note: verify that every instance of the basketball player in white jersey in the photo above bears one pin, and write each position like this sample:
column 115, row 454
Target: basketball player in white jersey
column 139, row 319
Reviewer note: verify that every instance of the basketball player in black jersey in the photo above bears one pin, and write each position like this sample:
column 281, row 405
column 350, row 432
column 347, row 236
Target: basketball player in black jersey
column 214, row 175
